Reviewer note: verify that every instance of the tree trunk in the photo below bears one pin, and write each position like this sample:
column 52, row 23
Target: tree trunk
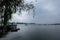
column 5, row 21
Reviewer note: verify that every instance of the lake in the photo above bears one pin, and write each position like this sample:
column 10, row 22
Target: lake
column 34, row 32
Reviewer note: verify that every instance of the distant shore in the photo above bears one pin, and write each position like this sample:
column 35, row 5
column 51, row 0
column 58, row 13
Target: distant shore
column 33, row 23
column 39, row 24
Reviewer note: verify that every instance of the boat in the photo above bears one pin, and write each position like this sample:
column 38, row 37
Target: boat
column 10, row 27
column 13, row 27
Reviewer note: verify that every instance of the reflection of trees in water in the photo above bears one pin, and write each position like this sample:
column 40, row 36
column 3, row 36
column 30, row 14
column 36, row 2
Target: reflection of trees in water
column 7, row 7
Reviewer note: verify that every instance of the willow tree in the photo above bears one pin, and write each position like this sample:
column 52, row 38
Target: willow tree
column 7, row 7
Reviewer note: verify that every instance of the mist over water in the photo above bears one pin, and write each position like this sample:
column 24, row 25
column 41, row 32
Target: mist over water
column 35, row 32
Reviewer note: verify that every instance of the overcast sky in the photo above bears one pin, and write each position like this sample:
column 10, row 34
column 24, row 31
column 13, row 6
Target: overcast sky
column 46, row 11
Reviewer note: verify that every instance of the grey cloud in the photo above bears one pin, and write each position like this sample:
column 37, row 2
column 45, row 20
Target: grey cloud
column 46, row 11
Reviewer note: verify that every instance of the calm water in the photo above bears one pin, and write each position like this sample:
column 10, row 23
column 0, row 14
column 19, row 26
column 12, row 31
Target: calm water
column 35, row 32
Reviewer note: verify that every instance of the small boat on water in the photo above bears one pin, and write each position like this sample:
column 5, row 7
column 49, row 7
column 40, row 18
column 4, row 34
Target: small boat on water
column 13, row 27
column 10, row 27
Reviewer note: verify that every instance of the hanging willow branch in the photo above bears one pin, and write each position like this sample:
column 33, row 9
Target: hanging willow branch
column 7, row 7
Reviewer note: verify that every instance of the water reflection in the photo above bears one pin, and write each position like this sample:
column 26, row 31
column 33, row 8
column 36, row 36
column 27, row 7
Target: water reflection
column 35, row 32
